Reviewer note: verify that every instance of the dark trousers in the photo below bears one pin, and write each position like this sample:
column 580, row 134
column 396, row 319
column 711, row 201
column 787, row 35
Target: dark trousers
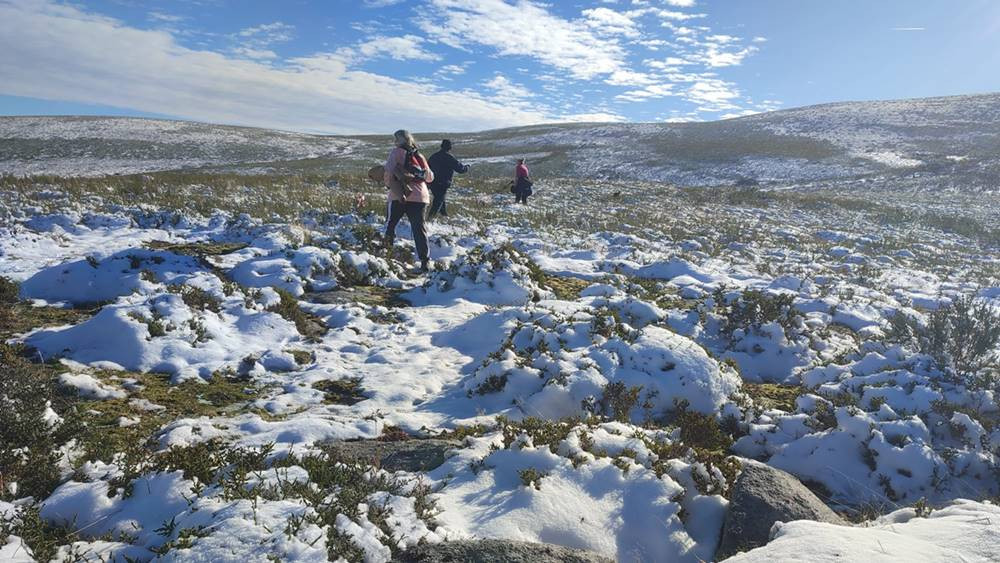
column 438, row 204
column 414, row 212
column 522, row 189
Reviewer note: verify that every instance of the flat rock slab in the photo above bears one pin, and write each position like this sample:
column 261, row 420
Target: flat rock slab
column 497, row 551
column 761, row 496
column 403, row 455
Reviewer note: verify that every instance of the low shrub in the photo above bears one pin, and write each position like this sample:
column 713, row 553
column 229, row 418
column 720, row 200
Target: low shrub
column 753, row 309
column 962, row 337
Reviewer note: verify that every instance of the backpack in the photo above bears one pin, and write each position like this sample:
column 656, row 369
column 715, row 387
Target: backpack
column 522, row 185
column 414, row 164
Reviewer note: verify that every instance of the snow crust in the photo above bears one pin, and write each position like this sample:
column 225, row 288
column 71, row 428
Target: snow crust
column 487, row 334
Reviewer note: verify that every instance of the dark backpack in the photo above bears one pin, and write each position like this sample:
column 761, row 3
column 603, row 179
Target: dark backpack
column 523, row 185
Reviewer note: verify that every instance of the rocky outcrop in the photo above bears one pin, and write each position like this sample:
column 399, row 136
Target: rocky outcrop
column 761, row 496
column 497, row 551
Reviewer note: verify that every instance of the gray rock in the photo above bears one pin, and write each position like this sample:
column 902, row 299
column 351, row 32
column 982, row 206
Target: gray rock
column 761, row 496
column 497, row 551
column 404, row 455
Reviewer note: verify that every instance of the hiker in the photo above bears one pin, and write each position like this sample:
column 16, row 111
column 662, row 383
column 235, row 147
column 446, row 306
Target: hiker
column 444, row 166
column 522, row 182
column 406, row 176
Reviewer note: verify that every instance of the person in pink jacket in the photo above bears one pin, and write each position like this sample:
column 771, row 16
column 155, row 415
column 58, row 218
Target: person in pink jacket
column 407, row 175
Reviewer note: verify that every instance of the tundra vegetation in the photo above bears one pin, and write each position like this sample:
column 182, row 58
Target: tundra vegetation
column 180, row 350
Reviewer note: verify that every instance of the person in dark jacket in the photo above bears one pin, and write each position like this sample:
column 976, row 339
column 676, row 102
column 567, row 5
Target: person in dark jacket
column 522, row 182
column 444, row 166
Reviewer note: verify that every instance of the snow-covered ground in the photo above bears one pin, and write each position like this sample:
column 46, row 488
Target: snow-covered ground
column 597, row 356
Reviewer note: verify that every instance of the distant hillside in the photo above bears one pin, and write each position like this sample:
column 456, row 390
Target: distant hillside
column 104, row 145
column 812, row 143
column 935, row 135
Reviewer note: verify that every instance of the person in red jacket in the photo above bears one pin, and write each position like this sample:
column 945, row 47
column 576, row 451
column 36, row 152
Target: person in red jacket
column 406, row 175
column 522, row 182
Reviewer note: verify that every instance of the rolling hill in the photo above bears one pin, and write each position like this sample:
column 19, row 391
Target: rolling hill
column 952, row 135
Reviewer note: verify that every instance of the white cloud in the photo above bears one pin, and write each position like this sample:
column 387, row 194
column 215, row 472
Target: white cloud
column 525, row 29
column 669, row 64
column 253, row 83
column 511, row 94
column 676, row 3
column 593, row 117
column 630, row 78
column 448, row 73
column 687, row 72
column 654, row 44
column 713, row 94
column 162, row 17
column 453, row 69
column 255, row 42
column 676, row 16
column 381, row 3
column 504, row 86
column 609, row 22
column 683, row 31
column 269, row 33
column 715, row 57
column 256, row 54
column 405, row 48
column 59, row 52
column 909, row 29
column 649, row 92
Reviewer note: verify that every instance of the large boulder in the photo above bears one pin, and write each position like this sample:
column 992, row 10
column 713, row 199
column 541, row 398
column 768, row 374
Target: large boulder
column 497, row 551
column 761, row 496
column 402, row 455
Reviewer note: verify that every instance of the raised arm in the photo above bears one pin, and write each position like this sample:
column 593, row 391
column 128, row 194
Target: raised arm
column 458, row 166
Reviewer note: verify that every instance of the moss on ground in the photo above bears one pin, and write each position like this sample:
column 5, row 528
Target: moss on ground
column 22, row 317
column 566, row 288
column 302, row 357
column 773, row 395
column 101, row 428
column 308, row 325
column 104, row 434
column 341, row 391
column 205, row 248
column 18, row 317
column 370, row 295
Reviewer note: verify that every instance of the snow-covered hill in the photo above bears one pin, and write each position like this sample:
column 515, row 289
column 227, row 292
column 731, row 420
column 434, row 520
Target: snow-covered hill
column 819, row 142
column 953, row 135
column 107, row 145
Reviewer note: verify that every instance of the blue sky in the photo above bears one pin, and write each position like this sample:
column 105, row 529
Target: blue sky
column 459, row 65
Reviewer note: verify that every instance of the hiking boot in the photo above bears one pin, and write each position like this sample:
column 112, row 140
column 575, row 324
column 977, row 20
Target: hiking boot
column 424, row 266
